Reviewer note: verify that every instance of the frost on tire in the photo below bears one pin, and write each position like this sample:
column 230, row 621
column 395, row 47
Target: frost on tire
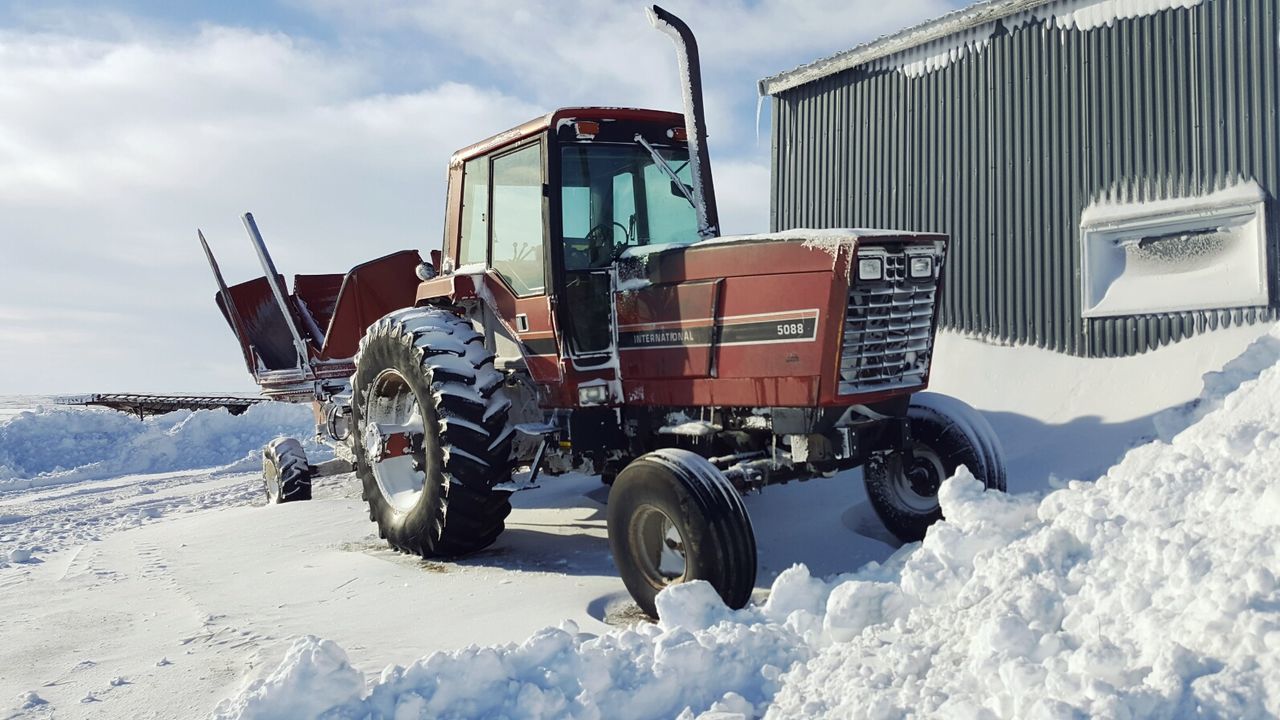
column 286, row 474
column 432, row 436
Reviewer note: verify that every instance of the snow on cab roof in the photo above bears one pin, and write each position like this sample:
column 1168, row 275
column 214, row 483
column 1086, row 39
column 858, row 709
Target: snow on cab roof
column 945, row 38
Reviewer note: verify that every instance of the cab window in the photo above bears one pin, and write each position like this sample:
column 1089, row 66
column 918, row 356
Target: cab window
column 475, row 212
column 517, row 253
column 615, row 196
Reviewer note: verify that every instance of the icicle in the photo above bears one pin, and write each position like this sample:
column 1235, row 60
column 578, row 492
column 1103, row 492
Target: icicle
column 759, row 108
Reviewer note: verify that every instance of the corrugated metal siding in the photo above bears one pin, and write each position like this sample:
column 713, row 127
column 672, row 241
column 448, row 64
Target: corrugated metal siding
column 1004, row 148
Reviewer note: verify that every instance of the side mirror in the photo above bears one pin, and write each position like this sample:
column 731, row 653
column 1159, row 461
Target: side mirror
column 681, row 190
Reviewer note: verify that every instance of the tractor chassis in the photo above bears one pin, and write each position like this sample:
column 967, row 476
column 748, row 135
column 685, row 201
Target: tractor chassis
column 685, row 378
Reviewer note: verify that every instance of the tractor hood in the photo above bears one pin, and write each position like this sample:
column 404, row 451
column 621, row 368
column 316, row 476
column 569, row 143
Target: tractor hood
column 788, row 251
column 801, row 318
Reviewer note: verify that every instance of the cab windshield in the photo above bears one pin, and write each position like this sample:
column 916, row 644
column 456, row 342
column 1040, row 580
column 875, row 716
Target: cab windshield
column 615, row 196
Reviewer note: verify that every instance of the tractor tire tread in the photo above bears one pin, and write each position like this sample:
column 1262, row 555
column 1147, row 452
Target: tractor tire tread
column 959, row 435
column 455, row 374
column 722, row 547
column 286, row 471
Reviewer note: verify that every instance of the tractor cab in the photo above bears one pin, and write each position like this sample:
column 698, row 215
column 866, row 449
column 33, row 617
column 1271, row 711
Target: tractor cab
column 615, row 199
column 541, row 215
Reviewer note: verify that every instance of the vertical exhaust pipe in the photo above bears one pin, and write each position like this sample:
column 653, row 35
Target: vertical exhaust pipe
column 695, row 123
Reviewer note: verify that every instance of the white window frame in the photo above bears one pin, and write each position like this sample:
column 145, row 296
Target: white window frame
column 1236, row 278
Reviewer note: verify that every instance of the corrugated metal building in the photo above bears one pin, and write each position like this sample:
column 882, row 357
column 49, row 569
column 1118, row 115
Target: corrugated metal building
column 1106, row 170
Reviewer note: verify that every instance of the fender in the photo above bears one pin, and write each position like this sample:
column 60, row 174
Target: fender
column 447, row 289
column 536, row 341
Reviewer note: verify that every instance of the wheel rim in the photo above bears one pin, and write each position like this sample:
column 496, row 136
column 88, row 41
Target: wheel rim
column 270, row 479
column 393, row 441
column 916, row 487
column 658, row 548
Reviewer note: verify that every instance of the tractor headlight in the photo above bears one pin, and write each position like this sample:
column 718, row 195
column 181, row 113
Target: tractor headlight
column 921, row 266
column 593, row 395
column 871, row 268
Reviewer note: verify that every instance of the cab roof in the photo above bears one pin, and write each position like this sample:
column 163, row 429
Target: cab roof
column 552, row 120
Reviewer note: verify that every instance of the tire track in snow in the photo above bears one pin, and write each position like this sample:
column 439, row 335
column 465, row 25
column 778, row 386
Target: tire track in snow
column 57, row 518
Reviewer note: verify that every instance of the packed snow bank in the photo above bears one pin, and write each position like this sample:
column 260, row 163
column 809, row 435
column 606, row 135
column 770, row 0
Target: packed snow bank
column 314, row 677
column 50, row 446
column 1150, row 593
column 1220, row 385
column 697, row 654
column 1094, row 410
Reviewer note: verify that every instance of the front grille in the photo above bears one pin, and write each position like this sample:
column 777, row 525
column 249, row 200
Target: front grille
column 888, row 330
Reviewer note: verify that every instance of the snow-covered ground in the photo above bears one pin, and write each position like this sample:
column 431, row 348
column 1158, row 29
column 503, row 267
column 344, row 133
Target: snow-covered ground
column 1150, row 592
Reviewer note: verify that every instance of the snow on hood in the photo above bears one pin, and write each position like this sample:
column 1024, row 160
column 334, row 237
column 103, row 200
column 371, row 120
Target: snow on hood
column 1150, row 593
column 826, row 239
column 56, row 445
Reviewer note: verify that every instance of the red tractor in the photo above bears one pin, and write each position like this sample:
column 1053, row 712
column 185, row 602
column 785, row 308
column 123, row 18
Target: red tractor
column 583, row 314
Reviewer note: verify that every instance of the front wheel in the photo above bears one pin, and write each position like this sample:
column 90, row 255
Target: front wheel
column 673, row 517
column 945, row 434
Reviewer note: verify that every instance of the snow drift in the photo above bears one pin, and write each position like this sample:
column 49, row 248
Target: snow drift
column 50, row 446
column 1150, row 593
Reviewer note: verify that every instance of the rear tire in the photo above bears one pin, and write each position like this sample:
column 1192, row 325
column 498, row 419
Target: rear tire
column 426, row 372
column 673, row 517
column 286, row 474
column 945, row 434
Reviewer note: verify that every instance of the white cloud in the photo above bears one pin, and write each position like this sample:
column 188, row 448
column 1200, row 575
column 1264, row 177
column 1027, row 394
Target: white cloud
column 118, row 137
column 112, row 152
column 742, row 195
column 568, row 52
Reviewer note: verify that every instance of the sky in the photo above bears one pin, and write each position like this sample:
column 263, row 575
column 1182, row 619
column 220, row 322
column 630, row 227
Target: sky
column 127, row 124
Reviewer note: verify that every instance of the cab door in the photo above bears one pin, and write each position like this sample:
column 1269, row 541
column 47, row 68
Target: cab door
column 597, row 214
column 504, row 238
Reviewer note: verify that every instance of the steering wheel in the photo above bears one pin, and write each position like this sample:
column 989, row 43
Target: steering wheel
column 602, row 235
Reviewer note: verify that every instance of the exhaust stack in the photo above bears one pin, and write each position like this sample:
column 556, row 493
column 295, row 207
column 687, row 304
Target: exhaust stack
column 695, row 123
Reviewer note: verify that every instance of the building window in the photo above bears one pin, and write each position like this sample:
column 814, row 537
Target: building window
column 1178, row 254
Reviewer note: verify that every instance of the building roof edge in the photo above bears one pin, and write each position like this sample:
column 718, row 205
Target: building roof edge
column 952, row 23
